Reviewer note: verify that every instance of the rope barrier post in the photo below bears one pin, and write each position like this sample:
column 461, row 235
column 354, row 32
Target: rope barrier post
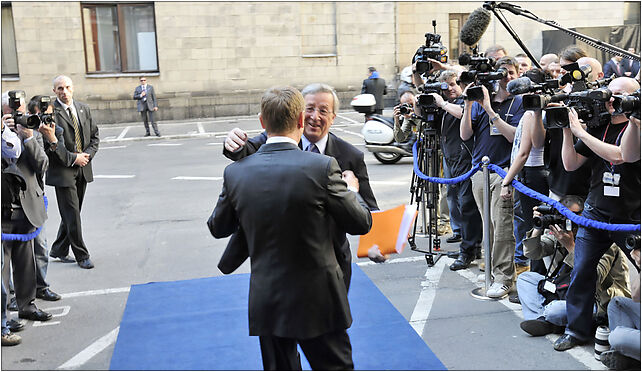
column 481, row 292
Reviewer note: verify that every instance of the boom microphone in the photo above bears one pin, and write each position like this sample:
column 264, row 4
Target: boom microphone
column 519, row 86
column 475, row 26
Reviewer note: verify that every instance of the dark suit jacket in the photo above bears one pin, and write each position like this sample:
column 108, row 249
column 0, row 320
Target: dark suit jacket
column 610, row 69
column 150, row 102
column 376, row 87
column 33, row 163
column 62, row 170
column 296, row 285
column 633, row 68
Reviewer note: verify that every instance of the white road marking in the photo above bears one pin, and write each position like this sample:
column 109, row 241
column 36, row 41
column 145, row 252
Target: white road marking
column 112, row 147
column 123, row 133
column 95, row 292
column 165, row 144
column 92, row 350
column 215, row 143
column 64, row 312
column 349, row 132
column 390, row 183
column 429, row 286
column 358, row 144
column 199, row 125
column 187, row 178
column 114, row 176
column 348, row 119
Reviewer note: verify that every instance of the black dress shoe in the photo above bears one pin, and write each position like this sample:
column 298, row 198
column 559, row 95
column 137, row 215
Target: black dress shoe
column 35, row 315
column 514, row 298
column 158, row 134
column 47, row 295
column 455, row 238
column 540, row 327
column 566, row 342
column 65, row 259
column 86, row 264
column 15, row 325
column 614, row 360
column 462, row 262
column 13, row 304
column 147, row 135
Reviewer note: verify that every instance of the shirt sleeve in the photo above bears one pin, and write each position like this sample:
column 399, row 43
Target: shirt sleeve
column 11, row 147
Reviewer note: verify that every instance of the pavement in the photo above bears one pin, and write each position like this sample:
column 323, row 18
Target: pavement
column 144, row 221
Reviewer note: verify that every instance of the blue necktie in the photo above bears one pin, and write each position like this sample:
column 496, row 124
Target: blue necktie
column 313, row 148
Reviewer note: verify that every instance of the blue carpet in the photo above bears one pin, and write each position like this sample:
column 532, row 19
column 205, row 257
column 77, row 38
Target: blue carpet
column 202, row 324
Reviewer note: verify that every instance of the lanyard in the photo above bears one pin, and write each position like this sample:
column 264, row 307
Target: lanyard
column 617, row 140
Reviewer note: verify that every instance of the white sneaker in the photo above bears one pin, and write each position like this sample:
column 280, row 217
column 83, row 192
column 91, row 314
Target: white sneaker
column 497, row 290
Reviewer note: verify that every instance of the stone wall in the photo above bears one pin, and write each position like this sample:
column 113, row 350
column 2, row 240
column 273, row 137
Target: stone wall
column 216, row 59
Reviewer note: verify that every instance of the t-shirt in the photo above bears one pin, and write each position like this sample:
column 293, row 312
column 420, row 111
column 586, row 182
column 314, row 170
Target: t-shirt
column 496, row 147
column 535, row 156
column 456, row 151
column 560, row 181
column 626, row 207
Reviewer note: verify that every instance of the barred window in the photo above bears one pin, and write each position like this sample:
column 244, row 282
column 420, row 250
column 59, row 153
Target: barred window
column 9, row 54
column 119, row 37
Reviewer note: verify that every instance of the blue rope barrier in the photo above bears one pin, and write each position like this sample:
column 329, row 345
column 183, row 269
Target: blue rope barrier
column 26, row 237
column 580, row 220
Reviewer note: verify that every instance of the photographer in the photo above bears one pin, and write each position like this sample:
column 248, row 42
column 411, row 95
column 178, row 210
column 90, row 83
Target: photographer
column 458, row 161
column 491, row 123
column 614, row 197
column 630, row 145
column 543, row 297
column 405, row 118
column 24, row 212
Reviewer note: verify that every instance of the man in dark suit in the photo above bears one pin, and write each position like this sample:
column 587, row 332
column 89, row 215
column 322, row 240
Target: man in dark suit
column 614, row 67
column 630, row 67
column 146, row 103
column 297, row 295
column 376, row 86
column 23, row 211
column 70, row 169
column 322, row 105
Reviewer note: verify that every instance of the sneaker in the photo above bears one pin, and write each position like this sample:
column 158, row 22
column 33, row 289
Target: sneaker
column 10, row 339
column 614, row 360
column 498, row 290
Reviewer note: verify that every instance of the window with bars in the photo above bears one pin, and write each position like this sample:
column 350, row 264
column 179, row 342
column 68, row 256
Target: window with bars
column 9, row 53
column 119, row 37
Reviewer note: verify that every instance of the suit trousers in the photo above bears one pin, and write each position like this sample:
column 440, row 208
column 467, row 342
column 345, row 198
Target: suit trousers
column 328, row 352
column 20, row 255
column 70, row 231
column 149, row 113
column 41, row 255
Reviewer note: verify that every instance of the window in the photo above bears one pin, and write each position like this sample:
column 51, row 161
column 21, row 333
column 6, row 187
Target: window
column 119, row 38
column 9, row 54
column 456, row 47
column 318, row 29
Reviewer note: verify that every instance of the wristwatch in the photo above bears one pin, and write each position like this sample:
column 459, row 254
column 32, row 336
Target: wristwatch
column 492, row 120
column 53, row 146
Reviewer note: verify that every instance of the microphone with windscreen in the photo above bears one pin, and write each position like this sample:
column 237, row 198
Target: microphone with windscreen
column 475, row 26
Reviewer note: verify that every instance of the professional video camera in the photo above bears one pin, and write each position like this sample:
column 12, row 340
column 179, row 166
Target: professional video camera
column 481, row 71
column 550, row 216
column 628, row 105
column 16, row 100
column 433, row 49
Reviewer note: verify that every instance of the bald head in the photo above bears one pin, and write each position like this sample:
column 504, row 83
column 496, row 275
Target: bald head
column 548, row 59
column 624, row 85
column 596, row 67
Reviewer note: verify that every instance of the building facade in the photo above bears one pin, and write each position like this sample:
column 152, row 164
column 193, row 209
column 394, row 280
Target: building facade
column 209, row 59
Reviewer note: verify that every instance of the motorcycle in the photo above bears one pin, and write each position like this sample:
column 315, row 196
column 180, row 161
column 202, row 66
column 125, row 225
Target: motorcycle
column 378, row 132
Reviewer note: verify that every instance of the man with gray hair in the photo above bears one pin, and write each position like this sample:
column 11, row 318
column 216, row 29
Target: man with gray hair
column 70, row 169
column 321, row 106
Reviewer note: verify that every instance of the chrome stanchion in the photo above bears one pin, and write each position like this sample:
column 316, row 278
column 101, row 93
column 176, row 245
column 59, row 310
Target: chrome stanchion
column 480, row 293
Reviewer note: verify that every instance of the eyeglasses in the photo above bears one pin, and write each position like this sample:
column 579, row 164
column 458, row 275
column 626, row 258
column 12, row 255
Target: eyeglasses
column 322, row 111
column 141, row 80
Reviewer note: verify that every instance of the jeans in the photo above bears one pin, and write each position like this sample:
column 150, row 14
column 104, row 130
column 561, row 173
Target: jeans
column 624, row 322
column 590, row 245
column 534, row 178
column 464, row 213
column 533, row 302
column 5, row 329
column 502, row 241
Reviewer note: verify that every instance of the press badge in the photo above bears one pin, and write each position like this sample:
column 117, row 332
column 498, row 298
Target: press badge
column 550, row 287
column 611, row 184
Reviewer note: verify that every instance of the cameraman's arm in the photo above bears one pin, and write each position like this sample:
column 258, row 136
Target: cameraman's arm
column 451, row 108
column 630, row 145
column 537, row 132
column 11, row 148
column 466, row 127
column 604, row 150
column 538, row 245
column 570, row 158
column 524, row 149
column 35, row 152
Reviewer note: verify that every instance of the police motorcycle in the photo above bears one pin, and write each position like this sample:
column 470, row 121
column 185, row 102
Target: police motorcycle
column 378, row 132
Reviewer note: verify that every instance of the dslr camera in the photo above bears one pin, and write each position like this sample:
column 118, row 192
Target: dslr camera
column 633, row 242
column 433, row 49
column 550, row 216
column 16, row 100
column 481, row 71
column 405, row 109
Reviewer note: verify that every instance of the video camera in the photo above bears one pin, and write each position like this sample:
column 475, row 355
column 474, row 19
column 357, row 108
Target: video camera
column 550, row 216
column 426, row 101
column 481, row 71
column 29, row 121
column 628, row 105
column 433, row 49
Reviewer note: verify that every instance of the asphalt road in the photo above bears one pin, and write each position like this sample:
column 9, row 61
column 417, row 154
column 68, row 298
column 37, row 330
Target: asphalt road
column 144, row 221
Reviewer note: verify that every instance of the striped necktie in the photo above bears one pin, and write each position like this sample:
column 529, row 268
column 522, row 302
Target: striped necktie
column 74, row 123
column 313, row 148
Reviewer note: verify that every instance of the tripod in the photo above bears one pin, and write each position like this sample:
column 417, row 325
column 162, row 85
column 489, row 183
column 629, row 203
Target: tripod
column 426, row 194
